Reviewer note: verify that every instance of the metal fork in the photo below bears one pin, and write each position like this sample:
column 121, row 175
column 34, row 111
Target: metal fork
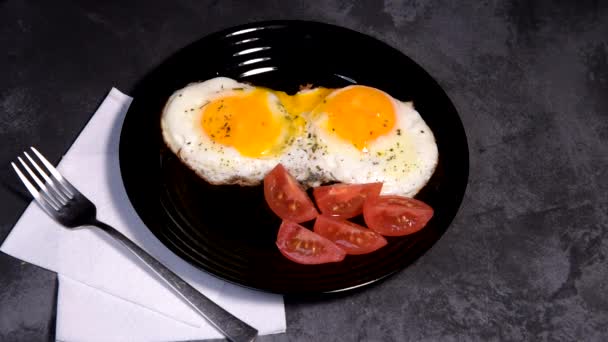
column 60, row 200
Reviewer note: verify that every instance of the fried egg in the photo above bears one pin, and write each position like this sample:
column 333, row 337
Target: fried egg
column 363, row 135
column 232, row 133
column 235, row 133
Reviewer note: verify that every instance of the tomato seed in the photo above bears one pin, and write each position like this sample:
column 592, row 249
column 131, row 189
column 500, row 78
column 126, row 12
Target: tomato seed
column 293, row 206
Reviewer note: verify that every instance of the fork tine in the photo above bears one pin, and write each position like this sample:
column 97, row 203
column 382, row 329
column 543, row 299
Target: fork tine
column 47, row 207
column 32, row 174
column 43, row 190
column 25, row 181
column 62, row 197
column 69, row 188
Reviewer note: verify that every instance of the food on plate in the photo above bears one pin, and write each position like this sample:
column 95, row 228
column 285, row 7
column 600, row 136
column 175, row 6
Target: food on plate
column 232, row 133
column 363, row 135
column 396, row 215
column 235, row 133
column 344, row 200
column 385, row 215
column 351, row 237
column 300, row 245
column 286, row 198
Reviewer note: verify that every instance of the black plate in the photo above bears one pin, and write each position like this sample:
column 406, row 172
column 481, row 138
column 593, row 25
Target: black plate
column 228, row 231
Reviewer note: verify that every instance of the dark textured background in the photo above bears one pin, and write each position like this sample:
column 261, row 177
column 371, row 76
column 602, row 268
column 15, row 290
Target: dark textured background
column 525, row 259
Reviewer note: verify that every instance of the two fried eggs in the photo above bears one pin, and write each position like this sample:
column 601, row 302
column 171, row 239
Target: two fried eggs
column 235, row 133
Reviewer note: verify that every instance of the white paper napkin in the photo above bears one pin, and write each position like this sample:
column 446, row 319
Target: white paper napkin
column 102, row 285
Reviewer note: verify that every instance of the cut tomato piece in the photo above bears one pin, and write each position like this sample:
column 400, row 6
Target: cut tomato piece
column 300, row 245
column 286, row 198
column 351, row 237
column 396, row 215
column 344, row 200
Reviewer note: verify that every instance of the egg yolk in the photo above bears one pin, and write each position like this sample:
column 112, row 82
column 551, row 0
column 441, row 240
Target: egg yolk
column 359, row 114
column 245, row 122
column 300, row 104
column 303, row 102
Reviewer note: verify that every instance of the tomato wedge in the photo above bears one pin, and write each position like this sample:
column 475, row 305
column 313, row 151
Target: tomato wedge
column 396, row 215
column 351, row 237
column 344, row 200
column 300, row 245
column 286, row 198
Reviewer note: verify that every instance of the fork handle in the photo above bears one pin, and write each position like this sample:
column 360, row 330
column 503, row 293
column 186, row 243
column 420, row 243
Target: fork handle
column 233, row 328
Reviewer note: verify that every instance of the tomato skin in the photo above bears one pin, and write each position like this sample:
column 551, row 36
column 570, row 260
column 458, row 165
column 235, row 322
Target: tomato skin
column 352, row 238
column 303, row 246
column 344, row 200
column 396, row 215
column 286, row 198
